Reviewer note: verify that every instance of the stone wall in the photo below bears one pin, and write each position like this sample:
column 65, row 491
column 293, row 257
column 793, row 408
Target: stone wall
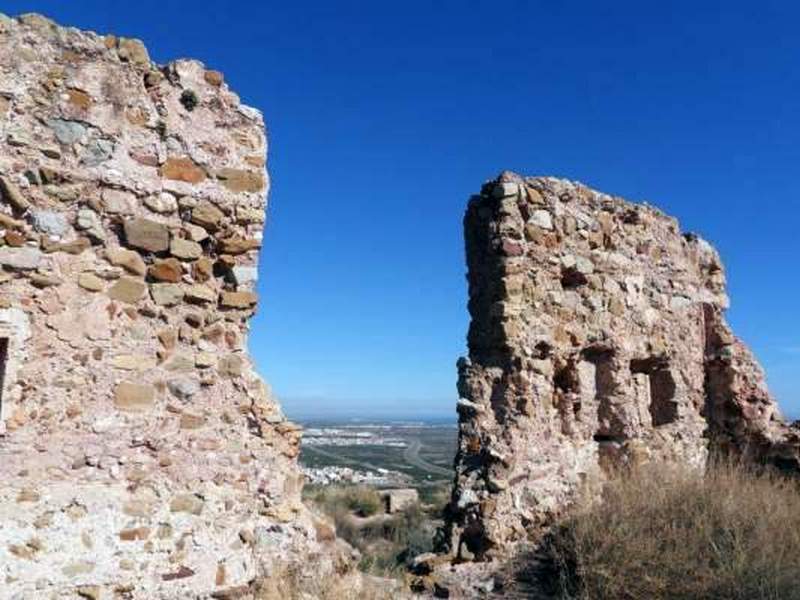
column 597, row 341
column 141, row 456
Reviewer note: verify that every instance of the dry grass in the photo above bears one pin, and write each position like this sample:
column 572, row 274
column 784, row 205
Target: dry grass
column 670, row 533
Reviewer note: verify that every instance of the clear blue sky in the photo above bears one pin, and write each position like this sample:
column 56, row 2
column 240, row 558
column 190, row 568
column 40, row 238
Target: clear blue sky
column 384, row 117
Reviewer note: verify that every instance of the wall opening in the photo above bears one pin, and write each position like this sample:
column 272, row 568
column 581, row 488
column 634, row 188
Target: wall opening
column 567, row 385
column 663, row 407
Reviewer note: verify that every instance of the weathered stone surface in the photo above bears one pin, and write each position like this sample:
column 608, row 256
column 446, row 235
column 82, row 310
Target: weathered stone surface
column 119, row 202
column 200, row 293
column 50, row 222
column 11, row 194
column 163, row 203
column 67, row 132
column 125, row 415
column 182, row 169
column 207, row 215
column 127, row 259
column 166, row 294
column 238, row 299
column 183, row 388
column 130, row 362
column 134, row 397
column 43, row 280
column 146, row 235
column 215, row 78
column 203, row 270
column 185, row 249
column 128, row 290
column 231, row 365
column 237, row 245
column 168, row 269
column 23, row 259
column 597, row 341
column 240, row 180
column 89, row 221
column 91, row 282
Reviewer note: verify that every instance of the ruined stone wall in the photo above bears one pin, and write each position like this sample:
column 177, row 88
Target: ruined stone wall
column 141, row 456
column 597, row 341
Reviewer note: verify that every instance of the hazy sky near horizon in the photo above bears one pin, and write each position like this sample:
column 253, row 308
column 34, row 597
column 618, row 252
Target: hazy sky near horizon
column 384, row 117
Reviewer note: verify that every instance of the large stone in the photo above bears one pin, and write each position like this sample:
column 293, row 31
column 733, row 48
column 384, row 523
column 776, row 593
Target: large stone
column 183, row 388
column 87, row 220
column 168, row 269
column 200, row 294
column 12, row 195
column 185, row 249
column 134, row 397
column 238, row 299
column 203, row 269
column 128, row 290
column 166, row 294
column 21, row 259
column 127, row 259
column 119, row 202
column 50, row 222
column 238, row 245
column 97, row 151
column 231, row 365
column 207, row 215
column 67, row 132
column 146, row 235
column 132, row 362
column 182, row 169
column 240, row 180
column 162, row 203
column 91, row 282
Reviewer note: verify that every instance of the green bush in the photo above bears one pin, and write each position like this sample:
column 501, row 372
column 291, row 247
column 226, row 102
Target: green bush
column 663, row 532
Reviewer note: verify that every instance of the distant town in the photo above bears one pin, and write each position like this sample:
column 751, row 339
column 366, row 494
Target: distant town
column 376, row 453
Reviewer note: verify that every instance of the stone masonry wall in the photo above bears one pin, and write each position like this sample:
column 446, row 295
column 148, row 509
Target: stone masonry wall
column 141, row 456
column 597, row 341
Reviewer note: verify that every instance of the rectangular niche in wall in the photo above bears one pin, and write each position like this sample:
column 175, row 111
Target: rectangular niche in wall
column 663, row 390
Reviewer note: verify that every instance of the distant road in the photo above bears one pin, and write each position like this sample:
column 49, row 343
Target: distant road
column 412, row 457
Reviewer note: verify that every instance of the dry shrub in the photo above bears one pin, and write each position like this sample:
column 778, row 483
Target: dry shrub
column 334, row 500
column 666, row 532
column 386, row 542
